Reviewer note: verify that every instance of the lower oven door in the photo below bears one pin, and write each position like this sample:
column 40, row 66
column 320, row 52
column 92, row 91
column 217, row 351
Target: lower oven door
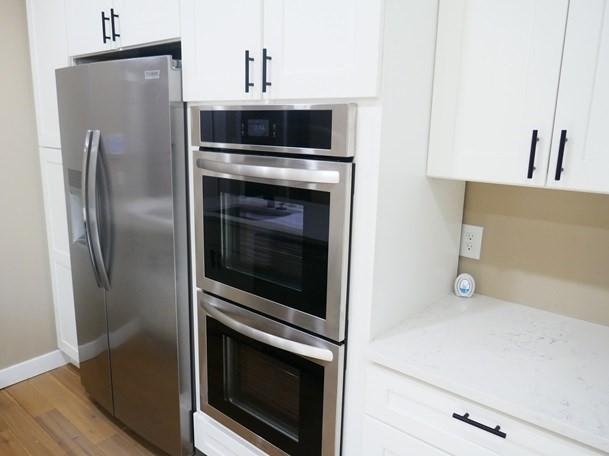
column 272, row 234
column 277, row 387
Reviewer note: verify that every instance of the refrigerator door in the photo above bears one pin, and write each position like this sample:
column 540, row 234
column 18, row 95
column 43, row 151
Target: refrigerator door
column 75, row 110
column 136, row 106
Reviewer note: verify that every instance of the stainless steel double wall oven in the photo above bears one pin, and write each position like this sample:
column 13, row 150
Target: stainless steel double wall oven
column 273, row 191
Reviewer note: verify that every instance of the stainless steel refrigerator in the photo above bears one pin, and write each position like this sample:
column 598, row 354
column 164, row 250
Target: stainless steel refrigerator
column 122, row 136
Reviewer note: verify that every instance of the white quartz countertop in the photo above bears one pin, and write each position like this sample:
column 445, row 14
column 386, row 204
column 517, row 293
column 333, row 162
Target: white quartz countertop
column 541, row 367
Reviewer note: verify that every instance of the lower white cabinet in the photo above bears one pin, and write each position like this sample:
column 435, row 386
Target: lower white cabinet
column 382, row 440
column 213, row 439
column 425, row 413
column 59, row 251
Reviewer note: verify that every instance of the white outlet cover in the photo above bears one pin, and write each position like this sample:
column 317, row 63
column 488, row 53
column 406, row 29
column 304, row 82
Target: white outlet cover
column 471, row 241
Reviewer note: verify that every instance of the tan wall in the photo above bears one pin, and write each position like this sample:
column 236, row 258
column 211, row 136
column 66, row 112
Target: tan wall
column 544, row 248
column 27, row 327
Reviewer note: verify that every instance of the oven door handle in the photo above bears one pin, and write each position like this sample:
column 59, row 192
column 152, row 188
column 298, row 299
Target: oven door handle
column 297, row 348
column 316, row 176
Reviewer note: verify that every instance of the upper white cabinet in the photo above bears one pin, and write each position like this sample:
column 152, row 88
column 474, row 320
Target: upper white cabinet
column 321, row 48
column 148, row 21
column 221, row 49
column 49, row 51
column 280, row 49
column 496, row 78
column 510, row 105
column 583, row 102
column 103, row 25
column 92, row 26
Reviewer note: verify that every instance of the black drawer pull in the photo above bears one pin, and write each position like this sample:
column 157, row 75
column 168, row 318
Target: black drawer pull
column 561, row 154
column 534, row 140
column 466, row 419
column 114, row 16
column 248, row 59
column 265, row 58
column 104, row 19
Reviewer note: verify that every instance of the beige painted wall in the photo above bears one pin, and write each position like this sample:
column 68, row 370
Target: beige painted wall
column 544, row 248
column 27, row 327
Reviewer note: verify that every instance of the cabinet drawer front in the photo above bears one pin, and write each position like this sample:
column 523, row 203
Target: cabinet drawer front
column 427, row 413
column 382, row 440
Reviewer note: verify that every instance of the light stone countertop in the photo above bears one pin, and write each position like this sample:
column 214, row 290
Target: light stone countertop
column 537, row 366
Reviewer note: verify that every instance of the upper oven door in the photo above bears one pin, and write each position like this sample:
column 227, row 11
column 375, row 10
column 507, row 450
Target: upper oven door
column 273, row 234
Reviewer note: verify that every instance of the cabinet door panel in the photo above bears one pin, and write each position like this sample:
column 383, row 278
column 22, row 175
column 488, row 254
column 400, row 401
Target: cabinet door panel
column 382, row 440
column 215, row 36
column 84, row 26
column 496, row 80
column 322, row 49
column 49, row 51
column 59, row 253
column 148, row 21
column 583, row 100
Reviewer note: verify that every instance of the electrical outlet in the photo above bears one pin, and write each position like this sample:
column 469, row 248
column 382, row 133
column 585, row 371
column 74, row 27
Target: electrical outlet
column 471, row 241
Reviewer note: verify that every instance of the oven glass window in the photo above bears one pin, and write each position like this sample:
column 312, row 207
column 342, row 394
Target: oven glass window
column 275, row 394
column 268, row 240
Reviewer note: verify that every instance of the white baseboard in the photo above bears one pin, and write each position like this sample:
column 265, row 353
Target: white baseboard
column 32, row 367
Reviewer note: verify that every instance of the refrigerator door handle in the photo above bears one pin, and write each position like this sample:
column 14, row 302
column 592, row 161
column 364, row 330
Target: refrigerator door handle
column 85, row 205
column 91, row 204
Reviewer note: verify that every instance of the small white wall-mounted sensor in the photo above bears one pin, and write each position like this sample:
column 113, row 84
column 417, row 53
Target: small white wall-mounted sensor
column 465, row 286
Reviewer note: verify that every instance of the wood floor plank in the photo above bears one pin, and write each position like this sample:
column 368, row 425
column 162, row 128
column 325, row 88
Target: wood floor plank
column 68, row 377
column 10, row 445
column 27, row 431
column 80, row 412
column 66, row 434
column 123, row 445
column 30, row 398
column 52, row 415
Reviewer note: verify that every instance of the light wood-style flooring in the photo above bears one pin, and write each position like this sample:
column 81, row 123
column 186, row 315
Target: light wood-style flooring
column 52, row 415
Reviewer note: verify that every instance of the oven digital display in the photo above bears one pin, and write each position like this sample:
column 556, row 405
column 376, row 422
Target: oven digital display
column 258, row 127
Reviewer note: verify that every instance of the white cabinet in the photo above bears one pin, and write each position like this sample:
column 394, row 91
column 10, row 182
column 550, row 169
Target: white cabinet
column 49, row 51
column 322, row 49
column 510, row 71
column 313, row 49
column 582, row 110
column 496, row 78
column 148, row 21
column 59, row 252
column 426, row 414
column 382, row 440
column 104, row 25
column 90, row 26
column 216, row 38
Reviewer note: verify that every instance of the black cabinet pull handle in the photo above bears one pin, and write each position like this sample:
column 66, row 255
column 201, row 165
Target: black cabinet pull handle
column 248, row 59
column 265, row 58
column 534, row 140
column 114, row 16
column 104, row 19
column 466, row 419
column 561, row 154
